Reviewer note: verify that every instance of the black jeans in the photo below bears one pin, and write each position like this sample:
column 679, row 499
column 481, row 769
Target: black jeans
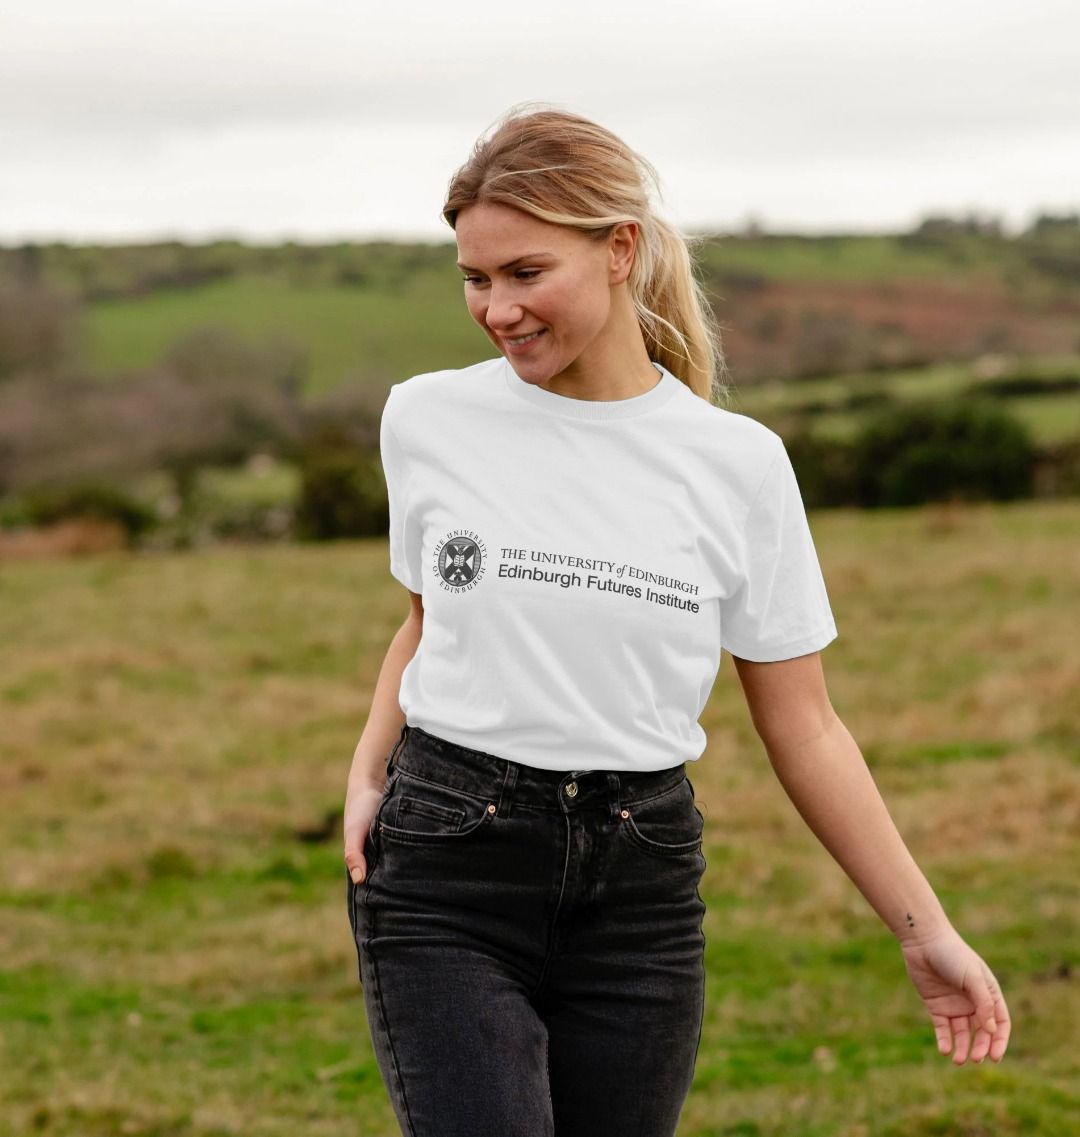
column 530, row 945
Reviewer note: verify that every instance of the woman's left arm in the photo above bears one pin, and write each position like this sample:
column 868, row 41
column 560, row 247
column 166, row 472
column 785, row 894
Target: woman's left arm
column 823, row 772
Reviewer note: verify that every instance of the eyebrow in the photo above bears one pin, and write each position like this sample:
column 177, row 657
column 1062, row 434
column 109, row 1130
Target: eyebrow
column 509, row 264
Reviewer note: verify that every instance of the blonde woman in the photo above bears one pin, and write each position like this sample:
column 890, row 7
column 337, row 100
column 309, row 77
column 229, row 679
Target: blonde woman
column 582, row 531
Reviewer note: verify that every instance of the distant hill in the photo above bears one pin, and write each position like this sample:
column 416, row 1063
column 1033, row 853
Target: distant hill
column 372, row 313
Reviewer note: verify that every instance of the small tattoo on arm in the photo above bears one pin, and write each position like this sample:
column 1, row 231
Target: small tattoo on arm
column 910, row 920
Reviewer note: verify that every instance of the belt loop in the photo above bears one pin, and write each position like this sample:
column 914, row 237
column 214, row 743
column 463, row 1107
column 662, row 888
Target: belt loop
column 506, row 794
column 396, row 748
column 614, row 786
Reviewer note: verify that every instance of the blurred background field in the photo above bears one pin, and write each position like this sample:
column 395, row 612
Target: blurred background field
column 175, row 957
column 194, row 604
column 172, row 395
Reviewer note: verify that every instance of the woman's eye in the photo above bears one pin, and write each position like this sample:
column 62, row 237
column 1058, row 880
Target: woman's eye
column 527, row 273
column 471, row 279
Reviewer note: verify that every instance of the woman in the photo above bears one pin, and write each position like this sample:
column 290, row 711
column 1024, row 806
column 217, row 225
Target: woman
column 582, row 531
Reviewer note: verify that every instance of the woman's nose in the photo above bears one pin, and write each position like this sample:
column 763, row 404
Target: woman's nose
column 503, row 311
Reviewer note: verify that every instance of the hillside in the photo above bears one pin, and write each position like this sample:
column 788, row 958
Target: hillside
column 791, row 306
column 143, row 362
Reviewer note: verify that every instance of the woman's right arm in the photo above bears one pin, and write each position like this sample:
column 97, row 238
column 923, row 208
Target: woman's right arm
column 367, row 774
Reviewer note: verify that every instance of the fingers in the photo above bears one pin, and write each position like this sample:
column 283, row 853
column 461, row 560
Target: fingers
column 994, row 1044
column 953, row 1036
column 981, row 1046
column 356, row 864
column 991, row 1017
column 961, row 1029
column 1000, row 1042
column 977, row 987
column 943, row 1033
column 356, row 835
column 966, row 1038
column 357, row 869
column 1004, row 1028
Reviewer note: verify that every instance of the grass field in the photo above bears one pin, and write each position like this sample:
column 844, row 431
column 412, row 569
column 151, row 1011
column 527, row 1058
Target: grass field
column 409, row 315
column 176, row 961
column 346, row 333
column 402, row 310
column 385, row 332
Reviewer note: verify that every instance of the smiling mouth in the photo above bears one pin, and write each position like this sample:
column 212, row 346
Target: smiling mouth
column 520, row 340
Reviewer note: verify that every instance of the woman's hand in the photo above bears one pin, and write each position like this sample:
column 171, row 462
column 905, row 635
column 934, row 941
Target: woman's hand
column 361, row 805
column 962, row 996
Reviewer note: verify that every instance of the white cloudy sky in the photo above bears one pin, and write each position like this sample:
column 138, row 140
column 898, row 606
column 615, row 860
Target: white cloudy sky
column 318, row 119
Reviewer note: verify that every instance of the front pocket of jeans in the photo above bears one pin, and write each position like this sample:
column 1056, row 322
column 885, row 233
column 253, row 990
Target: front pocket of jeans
column 421, row 812
column 669, row 825
column 417, row 814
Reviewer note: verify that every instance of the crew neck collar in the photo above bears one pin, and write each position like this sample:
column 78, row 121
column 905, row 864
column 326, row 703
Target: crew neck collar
column 565, row 406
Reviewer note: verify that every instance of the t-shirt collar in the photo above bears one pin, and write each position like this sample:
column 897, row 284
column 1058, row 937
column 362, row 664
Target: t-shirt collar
column 592, row 409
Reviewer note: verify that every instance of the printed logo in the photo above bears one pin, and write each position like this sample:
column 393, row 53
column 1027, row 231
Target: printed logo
column 460, row 559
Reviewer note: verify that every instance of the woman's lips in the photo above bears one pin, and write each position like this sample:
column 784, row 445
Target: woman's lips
column 519, row 348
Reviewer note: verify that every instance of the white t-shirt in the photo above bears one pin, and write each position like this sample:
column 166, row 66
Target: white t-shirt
column 582, row 564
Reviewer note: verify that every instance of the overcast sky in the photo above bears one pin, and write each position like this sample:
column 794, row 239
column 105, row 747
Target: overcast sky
column 325, row 119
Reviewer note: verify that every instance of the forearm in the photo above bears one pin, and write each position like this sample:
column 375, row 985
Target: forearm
column 386, row 718
column 830, row 785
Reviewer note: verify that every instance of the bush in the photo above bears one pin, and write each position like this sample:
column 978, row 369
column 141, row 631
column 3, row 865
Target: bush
column 1008, row 386
column 39, row 327
column 342, row 493
column 67, row 428
column 47, row 506
column 824, row 468
column 1057, row 470
column 971, row 450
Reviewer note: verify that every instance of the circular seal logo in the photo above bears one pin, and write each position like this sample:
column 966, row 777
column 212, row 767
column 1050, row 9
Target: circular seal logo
column 460, row 561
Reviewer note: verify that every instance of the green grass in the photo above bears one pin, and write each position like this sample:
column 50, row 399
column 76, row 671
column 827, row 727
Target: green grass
column 175, row 960
column 347, row 334
column 851, row 259
column 407, row 315
column 1049, row 418
column 827, row 403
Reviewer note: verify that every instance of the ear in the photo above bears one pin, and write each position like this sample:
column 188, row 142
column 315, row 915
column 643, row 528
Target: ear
column 622, row 244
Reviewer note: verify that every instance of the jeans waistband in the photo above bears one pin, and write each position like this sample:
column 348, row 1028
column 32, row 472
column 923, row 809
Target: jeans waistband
column 502, row 780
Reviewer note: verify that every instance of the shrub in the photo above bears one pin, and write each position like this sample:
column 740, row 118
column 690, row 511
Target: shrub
column 936, row 451
column 342, row 493
column 1057, row 470
column 1008, row 386
column 825, row 470
column 39, row 327
column 49, row 505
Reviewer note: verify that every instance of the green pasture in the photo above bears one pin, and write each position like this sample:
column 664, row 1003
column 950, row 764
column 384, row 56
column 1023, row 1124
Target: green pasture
column 346, row 333
column 175, row 956
column 386, row 311
column 389, row 329
column 853, row 259
column 835, row 407
column 387, row 332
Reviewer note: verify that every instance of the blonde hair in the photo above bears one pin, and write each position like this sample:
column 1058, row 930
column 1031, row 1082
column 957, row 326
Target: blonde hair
column 565, row 169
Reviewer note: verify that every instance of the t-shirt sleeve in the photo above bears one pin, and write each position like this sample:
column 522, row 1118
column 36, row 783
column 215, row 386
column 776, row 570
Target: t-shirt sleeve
column 779, row 608
column 405, row 534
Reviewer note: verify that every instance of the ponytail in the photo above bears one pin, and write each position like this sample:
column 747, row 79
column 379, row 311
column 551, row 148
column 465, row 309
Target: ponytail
column 674, row 313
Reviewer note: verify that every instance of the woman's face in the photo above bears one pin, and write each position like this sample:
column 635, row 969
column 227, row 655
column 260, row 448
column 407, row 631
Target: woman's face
column 542, row 293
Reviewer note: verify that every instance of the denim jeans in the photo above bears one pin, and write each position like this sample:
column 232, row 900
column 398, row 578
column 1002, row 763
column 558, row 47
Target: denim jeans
column 530, row 945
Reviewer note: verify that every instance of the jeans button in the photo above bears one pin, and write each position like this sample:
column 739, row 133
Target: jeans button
column 571, row 789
